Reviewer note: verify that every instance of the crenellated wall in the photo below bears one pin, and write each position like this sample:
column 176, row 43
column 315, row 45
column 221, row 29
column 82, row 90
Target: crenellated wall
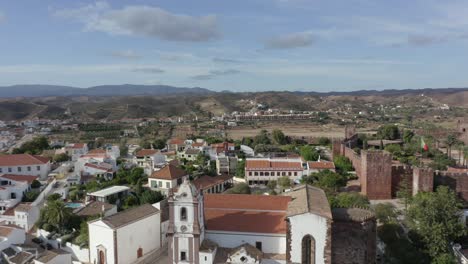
column 376, row 175
column 423, row 180
column 399, row 173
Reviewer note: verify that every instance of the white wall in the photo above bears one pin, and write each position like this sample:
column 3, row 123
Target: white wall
column 308, row 224
column 17, row 236
column 81, row 254
column 59, row 259
column 100, row 235
column 43, row 171
column 207, row 257
column 144, row 233
column 271, row 243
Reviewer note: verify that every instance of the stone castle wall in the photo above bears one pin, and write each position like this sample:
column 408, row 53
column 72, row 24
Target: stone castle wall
column 455, row 181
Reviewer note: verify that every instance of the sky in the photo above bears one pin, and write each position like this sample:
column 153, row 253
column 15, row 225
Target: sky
column 243, row 45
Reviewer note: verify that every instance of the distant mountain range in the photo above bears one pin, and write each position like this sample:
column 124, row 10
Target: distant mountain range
column 40, row 90
column 103, row 90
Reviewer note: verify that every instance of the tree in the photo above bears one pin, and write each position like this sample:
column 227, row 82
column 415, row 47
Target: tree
column 56, row 214
column 35, row 146
column 150, row 197
column 325, row 179
column 135, row 174
column 159, row 143
column 435, row 216
column 62, row 157
column 30, row 196
column 35, row 184
column 284, row 182
column 386, row 213
column 348, row 200
column 389, row 132
column 342, row 164
column 54, row 197
column 324, row 141
column 404, row 191
column 272, row 185
column 309, row 153
column 130, row 201
column 240, row 169
column 450, row 141
column 279, row 137
column 408, row 136
column 262, row 138
column 241, row 188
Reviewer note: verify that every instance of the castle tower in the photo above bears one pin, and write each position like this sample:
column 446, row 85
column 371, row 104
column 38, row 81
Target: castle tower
column 186, row 226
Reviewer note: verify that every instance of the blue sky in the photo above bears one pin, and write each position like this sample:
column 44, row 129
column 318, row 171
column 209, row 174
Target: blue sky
column 308, row 45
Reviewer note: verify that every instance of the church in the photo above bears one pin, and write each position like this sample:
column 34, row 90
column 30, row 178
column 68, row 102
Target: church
column 296, row 227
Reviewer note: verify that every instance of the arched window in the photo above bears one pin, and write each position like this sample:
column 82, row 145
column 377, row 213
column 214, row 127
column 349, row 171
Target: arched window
column 183, row 214
column 308, row 250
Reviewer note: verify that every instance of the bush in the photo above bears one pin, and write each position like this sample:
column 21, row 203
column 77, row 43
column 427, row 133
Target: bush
column 241, row 188
column 35, row 184
column 342, row 164
column 30, row 196
column 348, row 200
column 386, row 213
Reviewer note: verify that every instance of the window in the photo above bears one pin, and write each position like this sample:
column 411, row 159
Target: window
column 38, row 168
column 267, row 173
column 261, row 173
column 295, row 173
column 256, row 173
column 19, row 169
column 289, row 173
column 258, row 245
column 1, row 170
column 13, row 195
column 183, row 255
column 160, row 184
column 243, row 259
column 10, row 170
column 183, row 214
column 168, row 185
column 283, row 173
column 29, row 168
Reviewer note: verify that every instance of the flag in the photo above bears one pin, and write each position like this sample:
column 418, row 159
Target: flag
column 424, row 145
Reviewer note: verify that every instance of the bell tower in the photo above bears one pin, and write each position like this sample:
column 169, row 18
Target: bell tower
column 186, row 224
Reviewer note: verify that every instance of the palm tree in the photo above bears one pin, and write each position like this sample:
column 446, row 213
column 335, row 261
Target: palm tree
column 450, row 141
column 57, row 214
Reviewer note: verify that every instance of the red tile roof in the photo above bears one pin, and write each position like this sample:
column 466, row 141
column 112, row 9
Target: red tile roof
column 96, row 151
column 78, row 145
column 170, row 172
column 321, row 165
column 246, row 213
column 21, row 160
column 257, row 164
column 98, row 167
column 206, row 182
column 176, row 141
column 20, row 178
column 146, row 152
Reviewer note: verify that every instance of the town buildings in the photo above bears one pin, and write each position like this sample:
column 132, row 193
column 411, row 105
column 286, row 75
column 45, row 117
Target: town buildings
column 167, row 178
column 25, row 164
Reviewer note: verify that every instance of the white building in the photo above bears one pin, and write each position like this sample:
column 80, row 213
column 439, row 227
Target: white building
column 76, row 150
column 10, row 235
column 25, row 164
column 125, row 237
column 149, row 159
column 167, row 178
column 263, row 170
column 26, row 215
column 217, row 228
column 12, row 188
column 114, row 194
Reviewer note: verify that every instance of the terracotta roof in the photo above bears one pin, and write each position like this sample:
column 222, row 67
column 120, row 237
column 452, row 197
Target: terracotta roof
column 321, row 165
column 94, row 208
column 21, row 257
column 192, row 151
column 205, row 182
column 169, row 172
column 5, row 231
column 247, row 202
column 20, row 178
column 308, row 199
column 51, row 254
column 246, row 213
column 99, row 166
column 78, row 145
column 96, row 151
column 221, row 145
column 176, row 141
column 168, row 153
column 265, row 164
column 352, row 215
column 196, row 144
column 23, row 207
column 22, row 159
column 146, row 152
column 129, row 216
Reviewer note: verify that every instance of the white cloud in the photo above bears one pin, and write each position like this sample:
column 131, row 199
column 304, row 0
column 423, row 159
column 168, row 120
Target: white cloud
column 143, row 20
column 289, row 41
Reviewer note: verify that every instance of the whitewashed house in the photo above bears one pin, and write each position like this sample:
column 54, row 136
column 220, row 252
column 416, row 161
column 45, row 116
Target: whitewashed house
column 149, row 159
column 25, row 164
column 11, row 235
column 12, row 188
column 126, row 236
column 167, row 178
column 54, row 256
column 76, row 150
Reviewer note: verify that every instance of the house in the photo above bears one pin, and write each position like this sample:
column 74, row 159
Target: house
column 217, row 184
column 76, row 150
column 96, row 208
column 26, row 215
column 125, row 237
column 175, row 144
column 12, row 188
column 11, row 235
column 189, row 154
column 167, row 178
column 149, row 159
column 99, row 170
column 318, row 166
column 220, row 149
column 25, row 164
column 113, row 195
column 97, row 157
column 263, row 170
column 226, row 165
column 54, row 256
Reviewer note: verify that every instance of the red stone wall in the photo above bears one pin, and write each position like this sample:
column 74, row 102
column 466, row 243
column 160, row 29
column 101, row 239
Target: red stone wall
column 423, row 180
column 399, row 172
column 456, row 181
column 376, row 175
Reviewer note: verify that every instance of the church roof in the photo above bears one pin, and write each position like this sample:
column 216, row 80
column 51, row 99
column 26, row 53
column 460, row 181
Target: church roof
column 129, row 216
column 308, row 199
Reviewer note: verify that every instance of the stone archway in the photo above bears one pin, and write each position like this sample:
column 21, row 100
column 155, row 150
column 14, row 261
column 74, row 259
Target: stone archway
column 308, row 250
